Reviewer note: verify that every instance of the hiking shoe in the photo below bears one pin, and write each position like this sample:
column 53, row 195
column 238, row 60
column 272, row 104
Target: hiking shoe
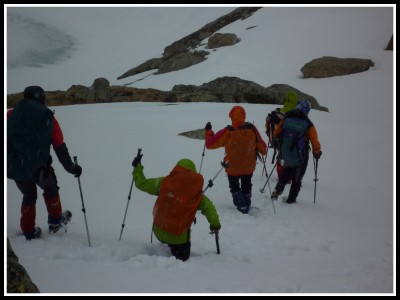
column 275, row 195
column 66, row 216
column 35, row 234
column 53, row 228
column 64, row 220
column 244, row 209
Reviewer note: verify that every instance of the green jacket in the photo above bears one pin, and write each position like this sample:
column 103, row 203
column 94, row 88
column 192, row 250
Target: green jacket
column 152, row 187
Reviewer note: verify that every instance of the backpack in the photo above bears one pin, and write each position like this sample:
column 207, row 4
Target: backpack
column 29, row 131
column 293, row 141
column 241, row 149
column 273, row 119
column 179, row 198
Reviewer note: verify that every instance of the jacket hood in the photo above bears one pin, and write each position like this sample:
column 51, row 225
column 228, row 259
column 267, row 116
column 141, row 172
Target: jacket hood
column 290, row 102
column 237, row 115
column 187, row 164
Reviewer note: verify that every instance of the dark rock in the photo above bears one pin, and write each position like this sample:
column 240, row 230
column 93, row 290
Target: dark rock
column 329, row 66
column 18, row 280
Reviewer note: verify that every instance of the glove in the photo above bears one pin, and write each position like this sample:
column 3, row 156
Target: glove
column 214, row 229
column 137, row 160
column 208, row 126
column 317, row 155
column 76, row 170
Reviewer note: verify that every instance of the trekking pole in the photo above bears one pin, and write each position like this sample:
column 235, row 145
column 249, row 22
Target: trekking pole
column 127, row 203
column 83, row 204
column 315, row 179
column 266, row 173
column 264, row 167
column 202, row 156
column 217, row 242
column 262, row 190
column 210, row 182
column 269, row 176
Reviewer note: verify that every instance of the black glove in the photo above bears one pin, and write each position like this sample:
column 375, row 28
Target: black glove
column 317, row 155
column 214, row 229
column 76, row 170
column 137, row 160
column 208, row 126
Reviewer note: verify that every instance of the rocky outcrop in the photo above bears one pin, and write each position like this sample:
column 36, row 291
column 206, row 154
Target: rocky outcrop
column 390, row 44
column 328, row 66
column 222, row 39
column 223, row 89
column 236, row 90
column 178, row 55
column 194, row 134
column 181, row 61
column 277, row 92
column 18, row 280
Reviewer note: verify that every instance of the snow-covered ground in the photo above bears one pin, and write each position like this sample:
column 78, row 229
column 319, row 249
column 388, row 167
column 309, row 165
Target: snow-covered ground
column 344, row 243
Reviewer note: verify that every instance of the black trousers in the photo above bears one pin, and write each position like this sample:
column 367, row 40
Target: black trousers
column 181, row 251
column 45, row 178
column 296, row 174
column 240, row 183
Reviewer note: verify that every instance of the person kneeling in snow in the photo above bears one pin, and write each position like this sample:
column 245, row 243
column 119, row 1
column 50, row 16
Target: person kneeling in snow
column 180, row 195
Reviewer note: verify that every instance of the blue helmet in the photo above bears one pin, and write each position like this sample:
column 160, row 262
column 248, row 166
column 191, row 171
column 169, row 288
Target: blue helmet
column 304, row 106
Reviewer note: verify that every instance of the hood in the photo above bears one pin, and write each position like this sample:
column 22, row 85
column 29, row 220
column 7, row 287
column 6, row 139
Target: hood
column 237, row 115
column 187, row 164
column 290, row 102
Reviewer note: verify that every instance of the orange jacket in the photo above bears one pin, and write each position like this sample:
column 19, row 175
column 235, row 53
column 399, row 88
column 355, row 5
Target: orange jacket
column 242, row 142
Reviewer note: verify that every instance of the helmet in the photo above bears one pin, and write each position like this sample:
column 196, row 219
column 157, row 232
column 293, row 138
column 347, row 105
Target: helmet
column 304, row 106
column 35, row 93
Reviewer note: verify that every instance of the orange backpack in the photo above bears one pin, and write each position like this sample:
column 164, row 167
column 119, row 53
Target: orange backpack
column 179, row 198
column 241, row 149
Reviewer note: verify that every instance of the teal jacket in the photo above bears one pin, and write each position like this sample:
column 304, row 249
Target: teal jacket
column 152, row 187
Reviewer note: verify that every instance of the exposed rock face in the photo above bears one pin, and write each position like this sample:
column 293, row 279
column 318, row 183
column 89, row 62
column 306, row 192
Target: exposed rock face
column 195, row 134
column 222, row 39
column 101, row 90
column 390, row 44
column 18, row 280
column 277, row 93
column 328, row 66
column 177, row 56
column 223, row 89
column 181, row 61
column 233, row 89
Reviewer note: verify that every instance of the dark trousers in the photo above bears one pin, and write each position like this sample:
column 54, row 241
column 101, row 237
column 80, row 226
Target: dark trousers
column 181, row 251
column 46, row 179
column 240, row 183
column 296, row 174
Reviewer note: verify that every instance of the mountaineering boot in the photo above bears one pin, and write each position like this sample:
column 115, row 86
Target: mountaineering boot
column 275, row 195
column 34, row 234
column 246, row 204
column 65, row 218
column 240, row 202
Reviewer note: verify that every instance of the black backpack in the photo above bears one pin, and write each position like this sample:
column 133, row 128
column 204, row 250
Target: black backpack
column 29, row 130
column 273, row 119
